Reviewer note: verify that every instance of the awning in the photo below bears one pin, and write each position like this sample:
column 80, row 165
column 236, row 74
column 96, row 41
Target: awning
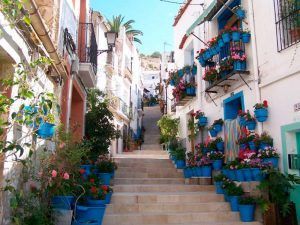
column 207, row 14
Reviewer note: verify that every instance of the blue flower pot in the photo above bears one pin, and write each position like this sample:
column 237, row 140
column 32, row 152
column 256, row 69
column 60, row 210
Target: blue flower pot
column 93, row 202
column 187, row 172
column 239, row 65
column 234, row 203
column 206, row 171
column 251, row 125
column 239, row 175
column 236, row 36
column 231, row 174
column 218, row 49
column 180, row 73
column 220, row 146
column 202, row 61
column 206, row 55
column 194, row 70
column 226, row 197
column 194, row 172
column 226, row 37
column 112, row 174
column 247, row 174
column 246, row 37
column 240, row 13
column 198, row 171
column 252, row 145
column 261, row 114
column 172, row 82
column 219, row 189
column 221, row 43
column 218, row 127
column 257, row 174
column 108, row 197
column 243, row 146
column 180, row 164
column 202, row 121
column 217, row 164
column 89, row 214
column 272, row 161
column 63, row 202
column 191, row 91
column 242, row 121
column 46, row 130
column 225, row 172
column 264, row 145
column 88, row 170
column 213, row 133
column 247, row 213
column 105, row 178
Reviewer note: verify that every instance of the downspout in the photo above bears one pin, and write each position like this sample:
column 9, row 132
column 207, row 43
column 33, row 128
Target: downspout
column 40, row 29
column 255, row 58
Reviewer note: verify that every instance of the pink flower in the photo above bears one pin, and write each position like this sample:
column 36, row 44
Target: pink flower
column 54, row 173
column 66, row 176
column 62, row 145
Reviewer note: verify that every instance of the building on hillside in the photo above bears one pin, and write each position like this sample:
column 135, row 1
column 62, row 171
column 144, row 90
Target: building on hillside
column 119, row 76
column 272, row 69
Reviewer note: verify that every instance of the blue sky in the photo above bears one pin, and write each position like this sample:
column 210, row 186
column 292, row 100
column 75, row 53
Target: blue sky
column 153, row 17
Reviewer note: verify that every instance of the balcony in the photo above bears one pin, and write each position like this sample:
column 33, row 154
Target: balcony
column 87, row 53
column 118, row 106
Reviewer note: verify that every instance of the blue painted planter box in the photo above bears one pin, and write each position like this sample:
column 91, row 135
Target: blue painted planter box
column 261, row 114
column 202, row 121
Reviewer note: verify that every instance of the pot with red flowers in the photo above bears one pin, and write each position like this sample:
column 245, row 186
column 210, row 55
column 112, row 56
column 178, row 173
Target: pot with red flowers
column 261, row 111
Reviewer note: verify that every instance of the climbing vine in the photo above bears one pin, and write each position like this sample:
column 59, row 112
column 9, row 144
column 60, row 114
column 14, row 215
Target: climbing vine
column 14, row 11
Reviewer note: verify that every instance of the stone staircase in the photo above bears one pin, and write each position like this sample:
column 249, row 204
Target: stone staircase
column 149, row 190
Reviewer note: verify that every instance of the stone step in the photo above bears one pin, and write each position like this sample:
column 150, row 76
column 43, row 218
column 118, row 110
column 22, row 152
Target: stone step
column 169, row 181
column 167, row 207
column 142, row 160
column 158, row 197
column 145, row 169
column 163, row 188
column 170, row 218
column 162, row 174
column 167, row 164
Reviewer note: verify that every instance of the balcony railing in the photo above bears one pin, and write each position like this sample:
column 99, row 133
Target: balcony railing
column 124, row 108
column 87, row 49
column 118, row 104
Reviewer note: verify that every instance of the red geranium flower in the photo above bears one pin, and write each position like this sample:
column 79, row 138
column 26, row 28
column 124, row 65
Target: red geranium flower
column 265, row 103
column 94, row 189
column 92, row 180
column 105, row 188
column 82, row 171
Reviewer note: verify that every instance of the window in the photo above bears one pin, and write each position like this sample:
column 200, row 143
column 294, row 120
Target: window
column 232, row 105
column 287, row 20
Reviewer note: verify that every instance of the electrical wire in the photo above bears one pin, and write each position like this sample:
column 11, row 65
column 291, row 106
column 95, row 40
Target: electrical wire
column 179, row 3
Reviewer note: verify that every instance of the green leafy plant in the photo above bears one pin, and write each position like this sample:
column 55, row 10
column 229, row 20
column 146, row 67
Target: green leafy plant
column 266, row 138
column 234, row 190
column 105, row 165
column 179, row 153
column 168, row 127
column 219, row 121
column 219, row 178
column 247, row 200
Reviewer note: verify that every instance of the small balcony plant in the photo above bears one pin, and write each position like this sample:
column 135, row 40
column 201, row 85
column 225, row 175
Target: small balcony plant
column 261, row 111
column 202, row 119
column 218, row 124
column 210, row 75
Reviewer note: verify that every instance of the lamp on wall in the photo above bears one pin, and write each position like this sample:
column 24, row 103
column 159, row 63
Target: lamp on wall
column 111, row 41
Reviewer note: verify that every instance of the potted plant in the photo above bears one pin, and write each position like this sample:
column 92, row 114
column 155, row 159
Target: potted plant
column 220, row 41
column 202, row 119
column 190, row 89
column 226, row 66
column 250, row 121
column 105, row 167
column 243, row 139
column 219, row 144
column 261, row 111
column 242, row 118
column 206, row 166
column 180, row 73
column 235, row 34
column 247, row 208
column 239, row 173
column 218, row 180
column 239, row 12
column 187, row 69
column 194, row 70
column 109, row 192
column 239, row 58
column 226, row 34
column 246, row 170
column 217, row 159
column 96, row 195
column 218, row 125
column 210, row 75
column 180, row 158
column 232, row 166
column 246, row 36
column 234, row 192
column 265, row 140
column 212, row 131
column 227, row 184
column 269, row 156
column 46, row 127
column 201, row 58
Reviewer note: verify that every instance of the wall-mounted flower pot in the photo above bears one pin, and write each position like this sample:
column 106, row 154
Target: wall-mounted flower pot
column 221, row 43
column 252, row 145
column 213, row 133
column 46, row 130
column 187, row 70
column 202, row 121
column 217, row 164
column 242, row 121
column 247, row 212
column 194, row 70
column 239, row 175
column 218, row 49
column 236, row 35
column 206, row 55
column 246, row 37
column 201, row 61
column 180, row 73
column 218, row 127
column 239, row 65
column 191, row 91
column 219, row 189
column 226, row 37
column 272, row 161
column 251, row 124
column 172, row 82
column 206, row 171
column 234, row 203
column 220, row 146
column 240, row 13
column 261, row 114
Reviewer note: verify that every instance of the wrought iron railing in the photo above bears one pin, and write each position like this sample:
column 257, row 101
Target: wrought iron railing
column 87, row 49
column 287, row 20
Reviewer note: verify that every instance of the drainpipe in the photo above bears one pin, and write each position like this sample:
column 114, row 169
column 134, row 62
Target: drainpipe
column 255, row 58
column 40, row 29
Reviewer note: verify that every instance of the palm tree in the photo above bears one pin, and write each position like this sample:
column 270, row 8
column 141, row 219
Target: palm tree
column 118, row 21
